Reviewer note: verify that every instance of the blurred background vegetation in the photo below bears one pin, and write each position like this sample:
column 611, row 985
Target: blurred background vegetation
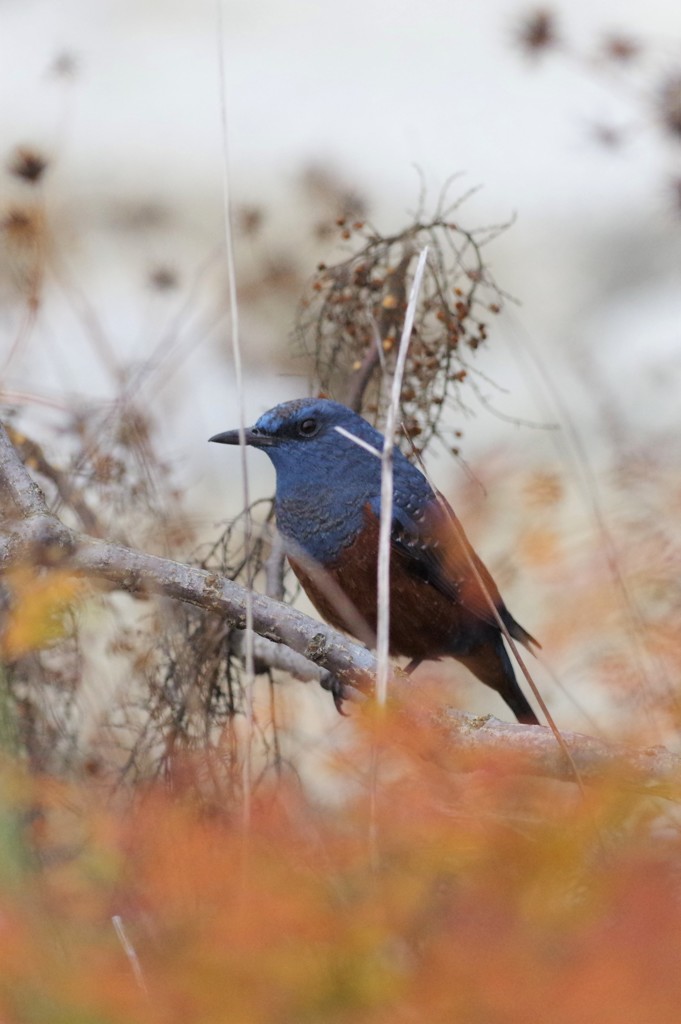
column 539, row 154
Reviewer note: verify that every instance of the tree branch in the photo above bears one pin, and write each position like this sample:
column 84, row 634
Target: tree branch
column 652, row 770
column 137, row 572
column 32, row 455
column 17, row 485
column 39, row 536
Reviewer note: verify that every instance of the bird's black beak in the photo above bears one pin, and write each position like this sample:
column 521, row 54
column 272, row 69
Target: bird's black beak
column 252, row 437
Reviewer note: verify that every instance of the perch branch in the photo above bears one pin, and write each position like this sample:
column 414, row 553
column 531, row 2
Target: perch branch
column 651, row 770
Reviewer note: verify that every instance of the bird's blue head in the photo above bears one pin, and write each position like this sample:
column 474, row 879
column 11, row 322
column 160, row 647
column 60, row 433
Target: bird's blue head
column 308, row 439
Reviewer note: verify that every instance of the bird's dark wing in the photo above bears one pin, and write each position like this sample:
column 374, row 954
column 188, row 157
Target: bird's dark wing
column 434, row 547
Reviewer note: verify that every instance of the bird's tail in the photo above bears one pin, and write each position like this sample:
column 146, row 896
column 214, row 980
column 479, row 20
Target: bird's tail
column 517, row 631
column 491, row 664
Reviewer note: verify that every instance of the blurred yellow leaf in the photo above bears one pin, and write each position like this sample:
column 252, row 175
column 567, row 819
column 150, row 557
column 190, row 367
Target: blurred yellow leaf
column 543, row 489
column 38, row 603
column 539, row 547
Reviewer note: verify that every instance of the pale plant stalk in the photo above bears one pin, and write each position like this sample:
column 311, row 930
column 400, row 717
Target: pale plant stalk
column 384, row 541
column 130, row 952
column 359, row 441
column 247, row 780
column 383, row 610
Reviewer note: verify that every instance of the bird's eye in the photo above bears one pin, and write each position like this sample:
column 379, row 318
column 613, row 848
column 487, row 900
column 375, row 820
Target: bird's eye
column 307, row 428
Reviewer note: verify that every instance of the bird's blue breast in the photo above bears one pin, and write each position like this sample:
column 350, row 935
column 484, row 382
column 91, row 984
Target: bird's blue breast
column 321, row 526
column 321, row 503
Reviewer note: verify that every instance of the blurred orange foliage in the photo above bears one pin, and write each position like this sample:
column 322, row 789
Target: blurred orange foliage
column 38, row 603
column 426, row 894
column 425, row 887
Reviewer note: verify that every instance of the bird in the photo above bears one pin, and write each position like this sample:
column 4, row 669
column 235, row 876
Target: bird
column 328, row 507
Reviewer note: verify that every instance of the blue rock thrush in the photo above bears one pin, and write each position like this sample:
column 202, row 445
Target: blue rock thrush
column 328, row 505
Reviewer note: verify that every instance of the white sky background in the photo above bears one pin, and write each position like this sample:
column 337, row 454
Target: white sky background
column 369, row 88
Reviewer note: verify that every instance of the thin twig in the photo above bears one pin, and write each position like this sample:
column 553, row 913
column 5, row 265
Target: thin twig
column 274, row 568
column 238, row 373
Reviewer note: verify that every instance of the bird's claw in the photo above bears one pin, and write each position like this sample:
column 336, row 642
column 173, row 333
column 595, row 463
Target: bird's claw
column 336, row 688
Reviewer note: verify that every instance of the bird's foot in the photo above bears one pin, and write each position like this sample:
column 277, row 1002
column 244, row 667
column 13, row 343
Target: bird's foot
column 336, row 688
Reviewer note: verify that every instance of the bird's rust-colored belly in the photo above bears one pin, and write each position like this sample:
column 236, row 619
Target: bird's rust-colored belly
column 423, row 622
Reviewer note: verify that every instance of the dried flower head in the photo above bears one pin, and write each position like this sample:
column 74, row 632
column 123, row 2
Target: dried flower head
column 22, row 225
column 351, row 318
column 64, row 65
column 27, row 164
column 249, row 220
column 621, row 48
column 163, row 278
column 538, row 31
column 669, row 104
column 607, row 135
